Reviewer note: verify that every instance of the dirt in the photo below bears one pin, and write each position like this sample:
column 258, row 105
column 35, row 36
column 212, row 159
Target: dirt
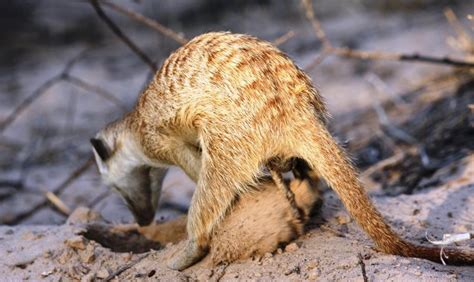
column 329, row 250
column 49, row 140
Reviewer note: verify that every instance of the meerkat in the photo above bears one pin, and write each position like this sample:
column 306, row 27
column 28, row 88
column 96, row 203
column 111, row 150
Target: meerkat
column 258, row 223
column 222, row 107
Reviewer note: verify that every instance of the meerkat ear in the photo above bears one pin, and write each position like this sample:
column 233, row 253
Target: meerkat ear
column 100, row 148
column 101, row 154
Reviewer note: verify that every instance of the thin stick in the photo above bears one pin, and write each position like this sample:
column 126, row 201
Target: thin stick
column 40, row 91
column 362, row 267
column 328, row 48
column 317, row 27
column 95, row 89
column 57, row 190
column 103, row 16
column 28, row 101
column 99, row 199
column 147, row 21
column 58, row 203
column 284, row 38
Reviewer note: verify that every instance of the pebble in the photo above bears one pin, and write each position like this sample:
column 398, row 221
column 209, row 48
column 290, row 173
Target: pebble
column 204, row 275
column 88, row 255
column 76, row 242
column 313, row 275
column 267, row 255
column 291, row 247
column 102, row 273
column 312, row 264
column 30, row 236
column 83, row 215
column 343, row 219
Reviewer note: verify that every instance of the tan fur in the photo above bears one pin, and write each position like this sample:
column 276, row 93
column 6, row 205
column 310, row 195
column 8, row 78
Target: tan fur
column 221, row 107
column 257, row 224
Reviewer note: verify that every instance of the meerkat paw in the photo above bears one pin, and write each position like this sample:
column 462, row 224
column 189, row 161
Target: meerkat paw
column 191, row 254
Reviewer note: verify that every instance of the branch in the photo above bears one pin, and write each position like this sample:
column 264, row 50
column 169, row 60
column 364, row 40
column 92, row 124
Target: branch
column 62, row 76
column 28, row 101
column 147, row 21
column 95, row 89
column 329, row 49
column 57, row 190
column 362, row 268
column 317, row 28
column 122, row 36
column 284, row 38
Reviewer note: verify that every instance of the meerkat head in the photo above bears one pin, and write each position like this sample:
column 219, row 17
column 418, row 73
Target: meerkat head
column 122, row 169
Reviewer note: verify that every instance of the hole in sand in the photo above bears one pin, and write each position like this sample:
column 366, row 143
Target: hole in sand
column 119, row 241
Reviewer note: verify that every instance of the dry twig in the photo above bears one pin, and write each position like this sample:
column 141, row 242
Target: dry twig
column 147, row 21
column 103, row 16
column 362, row 267
column 57, row 190
column 94, row 89
column 62, row 76
column 57, row 203
column 284, row 38
column 330, row 49
column 28, row 101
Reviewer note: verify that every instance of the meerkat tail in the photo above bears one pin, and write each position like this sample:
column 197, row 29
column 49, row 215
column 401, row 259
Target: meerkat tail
column 333, row 165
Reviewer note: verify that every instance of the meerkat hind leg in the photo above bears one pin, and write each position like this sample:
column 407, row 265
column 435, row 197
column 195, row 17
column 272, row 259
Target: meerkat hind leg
column 283, row 187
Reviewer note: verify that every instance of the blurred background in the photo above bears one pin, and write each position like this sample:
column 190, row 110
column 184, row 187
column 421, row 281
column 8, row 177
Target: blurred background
column 64, row 75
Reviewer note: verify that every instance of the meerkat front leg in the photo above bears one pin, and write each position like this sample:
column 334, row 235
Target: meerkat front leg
column 216, row 190
column 189, row 159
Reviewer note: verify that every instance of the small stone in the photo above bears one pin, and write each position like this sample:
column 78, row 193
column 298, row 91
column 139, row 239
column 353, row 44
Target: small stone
column 76, row 242
column 88, row 255
column 204, row 275
column 90, row 277
column 291, row 247
column 127, row 256
column 279, row 251
column 83, row 215
column 47, row 273
column 102, row 273
column 312, row 264
column 343, row 219
column 30, row 236
column 313, row 275
column 258, row 274
column 267, row 255
column 65, row 256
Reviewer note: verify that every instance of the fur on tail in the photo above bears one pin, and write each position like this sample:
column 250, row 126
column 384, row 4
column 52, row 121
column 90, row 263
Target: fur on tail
column 330, row 162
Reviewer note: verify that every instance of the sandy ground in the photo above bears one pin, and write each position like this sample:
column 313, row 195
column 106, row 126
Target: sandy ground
column 49, row 140
column 328, row 251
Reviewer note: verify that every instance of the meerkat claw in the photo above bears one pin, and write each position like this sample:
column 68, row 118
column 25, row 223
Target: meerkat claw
column 191, row 254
